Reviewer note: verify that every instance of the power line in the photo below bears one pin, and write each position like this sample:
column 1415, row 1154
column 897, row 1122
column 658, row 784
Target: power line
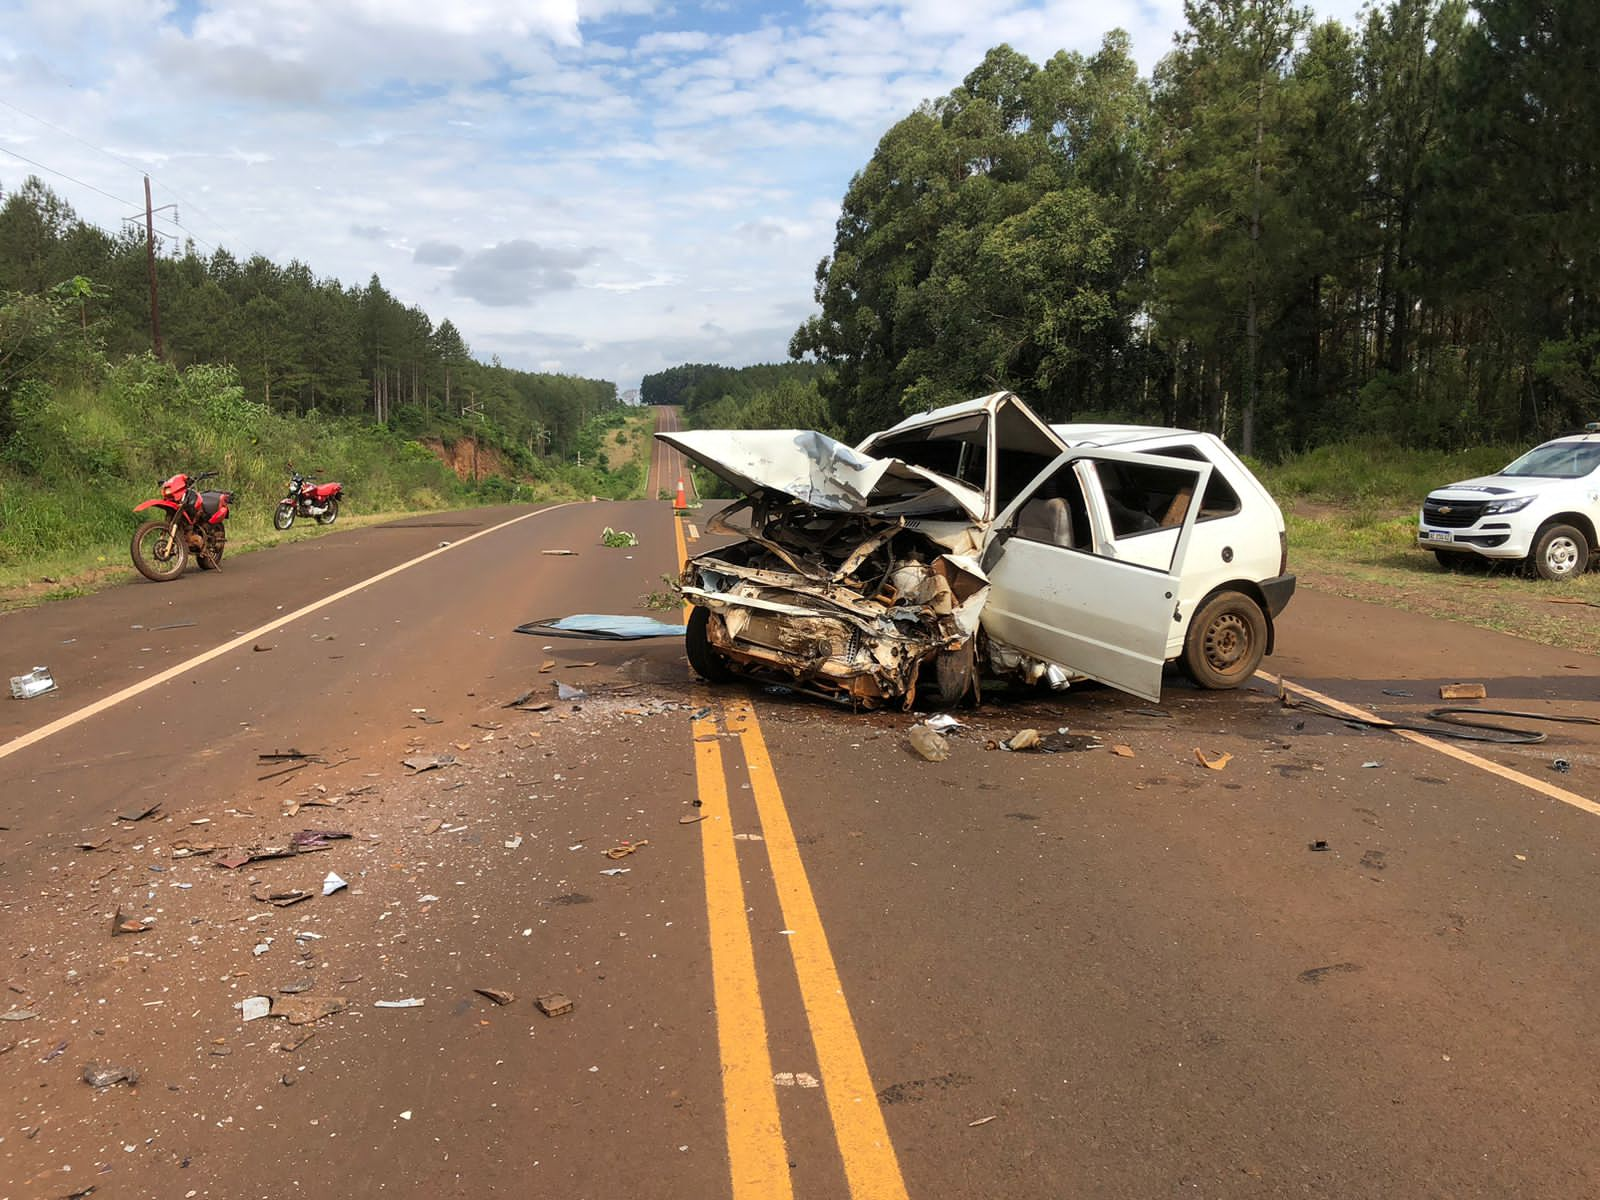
column 35, row 163
column 125, row 162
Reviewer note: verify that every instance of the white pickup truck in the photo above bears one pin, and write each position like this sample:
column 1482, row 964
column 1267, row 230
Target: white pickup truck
column 1543, row 509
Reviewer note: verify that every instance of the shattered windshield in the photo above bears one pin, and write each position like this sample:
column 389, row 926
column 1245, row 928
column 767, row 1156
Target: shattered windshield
column 957, row 449
column 1557, row 460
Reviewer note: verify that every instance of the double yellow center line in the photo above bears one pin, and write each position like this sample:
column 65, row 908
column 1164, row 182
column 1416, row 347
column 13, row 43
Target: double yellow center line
column 758, row 1157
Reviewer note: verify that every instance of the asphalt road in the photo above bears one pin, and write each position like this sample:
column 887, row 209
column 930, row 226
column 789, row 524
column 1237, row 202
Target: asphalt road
column 859, row 974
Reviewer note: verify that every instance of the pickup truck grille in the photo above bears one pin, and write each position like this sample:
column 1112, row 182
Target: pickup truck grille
column 1453, row 514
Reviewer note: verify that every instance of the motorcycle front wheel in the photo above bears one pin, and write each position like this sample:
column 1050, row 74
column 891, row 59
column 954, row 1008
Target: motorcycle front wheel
column 329, row 513
column 160, row 552
column 284, row 517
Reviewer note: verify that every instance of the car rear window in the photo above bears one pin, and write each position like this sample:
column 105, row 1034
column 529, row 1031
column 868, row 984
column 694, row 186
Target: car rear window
column 1220, row 499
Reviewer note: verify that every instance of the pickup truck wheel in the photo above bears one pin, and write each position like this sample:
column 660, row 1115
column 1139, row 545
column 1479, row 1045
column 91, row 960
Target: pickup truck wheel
column 1226, row 641
column 705, row 658
column 1560, row 553
column 1448, row 560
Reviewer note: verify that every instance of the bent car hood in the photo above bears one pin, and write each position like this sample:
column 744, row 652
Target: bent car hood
column 824, row 473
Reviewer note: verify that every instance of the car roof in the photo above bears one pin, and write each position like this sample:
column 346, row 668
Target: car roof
column 1091, row 434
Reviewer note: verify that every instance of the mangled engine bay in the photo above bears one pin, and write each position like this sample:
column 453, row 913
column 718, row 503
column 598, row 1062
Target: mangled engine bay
column 851, row 605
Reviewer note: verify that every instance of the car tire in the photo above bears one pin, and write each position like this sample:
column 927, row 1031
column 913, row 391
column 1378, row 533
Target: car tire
column 705, row 658
column 955, row 672
column 1448, row 560
column 1560, row 552
column 1226, row 642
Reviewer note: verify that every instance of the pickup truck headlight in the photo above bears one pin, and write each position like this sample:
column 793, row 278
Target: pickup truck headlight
column 1515, row 504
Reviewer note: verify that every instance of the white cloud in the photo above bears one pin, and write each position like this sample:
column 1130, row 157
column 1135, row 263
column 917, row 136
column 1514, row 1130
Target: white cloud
column 612, row 185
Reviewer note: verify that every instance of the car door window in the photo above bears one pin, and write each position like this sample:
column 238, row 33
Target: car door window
column 1144, row 498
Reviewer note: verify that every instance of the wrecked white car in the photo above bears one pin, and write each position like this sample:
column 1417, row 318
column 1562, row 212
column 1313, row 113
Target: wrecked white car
column 976, row 540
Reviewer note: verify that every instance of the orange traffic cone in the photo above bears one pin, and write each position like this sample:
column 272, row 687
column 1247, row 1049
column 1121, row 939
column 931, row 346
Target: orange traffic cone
column 680, row 504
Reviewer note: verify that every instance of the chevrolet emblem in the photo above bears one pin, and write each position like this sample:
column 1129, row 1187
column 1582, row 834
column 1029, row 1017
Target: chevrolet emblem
column 1445, row 510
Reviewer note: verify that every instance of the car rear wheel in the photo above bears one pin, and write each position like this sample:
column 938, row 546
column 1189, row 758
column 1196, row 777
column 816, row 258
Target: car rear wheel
column 955, row 672
column 1226, row 641
column 1560, row 553
column 705, row 658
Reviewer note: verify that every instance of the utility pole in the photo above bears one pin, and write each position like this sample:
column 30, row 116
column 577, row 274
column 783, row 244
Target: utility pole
column 150, row 255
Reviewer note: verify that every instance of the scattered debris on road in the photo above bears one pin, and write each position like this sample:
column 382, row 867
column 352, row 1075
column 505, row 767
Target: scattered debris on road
column 554, row 1005
column 560, row 553
column 1561, row 765
column 623, row 849
column 497, row 995
column 422, row 762
column 303, row 1010
column 410, row 1002
column 1463, row 691
column 140, row 814
column 331, row 883
column 617, row 539
column 255, row 1007
column 1212, row 762
column 1023, row 739
column 929, row 743
column 565, row 691
column 35, row 683
column 1320, row 845
column 601, row 627
column 102, row 1077
column 1122, row 751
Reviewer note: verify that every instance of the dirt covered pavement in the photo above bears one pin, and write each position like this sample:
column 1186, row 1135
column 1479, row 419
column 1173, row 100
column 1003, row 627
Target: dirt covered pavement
column 825, row 966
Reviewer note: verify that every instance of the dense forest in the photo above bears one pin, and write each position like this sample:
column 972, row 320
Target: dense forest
column 1293, row 233
column 766, row 396
column 298, row 343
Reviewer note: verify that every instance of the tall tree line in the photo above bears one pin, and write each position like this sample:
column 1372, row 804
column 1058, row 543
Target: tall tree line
column 1292, row 232
column 299, row 342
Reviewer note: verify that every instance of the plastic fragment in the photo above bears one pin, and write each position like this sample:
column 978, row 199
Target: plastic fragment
column 332, row 883
column 1212, row 762
column 255, row 1007
column 929, row 743
column 100, row 1077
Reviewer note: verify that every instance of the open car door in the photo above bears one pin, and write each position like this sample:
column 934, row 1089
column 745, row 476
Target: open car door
column 1057, row 591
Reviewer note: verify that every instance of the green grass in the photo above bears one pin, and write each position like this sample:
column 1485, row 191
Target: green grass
column 82, row 457
column 1374, row 476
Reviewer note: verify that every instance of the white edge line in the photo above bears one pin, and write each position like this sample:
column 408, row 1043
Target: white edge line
column 25, row 740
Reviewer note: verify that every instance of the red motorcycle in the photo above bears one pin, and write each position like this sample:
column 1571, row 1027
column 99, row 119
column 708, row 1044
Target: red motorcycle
column 308, row 498
column 193, row 524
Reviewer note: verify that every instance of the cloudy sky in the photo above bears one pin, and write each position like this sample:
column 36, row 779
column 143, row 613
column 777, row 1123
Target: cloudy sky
column 604, row 187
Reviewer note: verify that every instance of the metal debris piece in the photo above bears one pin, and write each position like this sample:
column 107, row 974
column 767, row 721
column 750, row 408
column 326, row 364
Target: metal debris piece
column 282, row 898
column 1372, row 763
column 1561, row 765
column 411, row 1002
column 1463, row 691
column 59, row 1050
column 565, row 691
column 601, row 627
column 139, row 814
column 420, row 762
column 295, row 1040
column 943, row 723
column 554, row 1005
column 626, row 848
column 291, row 755
column 1212, row 762
column 332, row 883
column 560, row 553
column 495, row 994
column 100, row 1077
column 616, row 870
column 302, row 1010
column 1395, row 692
column 1320, row 844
